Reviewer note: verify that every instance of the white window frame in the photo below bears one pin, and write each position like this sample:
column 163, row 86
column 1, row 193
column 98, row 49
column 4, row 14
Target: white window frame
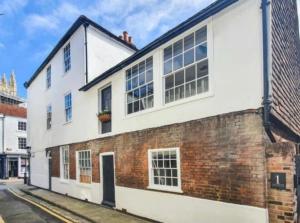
column 62, row 169
column 183, row 68
column 48, row 77
column 153, row 186
column 78, row 167
column 21, row 124
column 71, row 107
column 22, row 143
column 47, row 112
column 139, row 86
column 67, row 68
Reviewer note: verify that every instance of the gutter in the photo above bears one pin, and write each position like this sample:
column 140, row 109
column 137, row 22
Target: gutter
column 85, row 25
column 266, row 79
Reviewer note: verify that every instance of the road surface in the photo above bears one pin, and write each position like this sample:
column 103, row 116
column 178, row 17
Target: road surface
column 14, row 210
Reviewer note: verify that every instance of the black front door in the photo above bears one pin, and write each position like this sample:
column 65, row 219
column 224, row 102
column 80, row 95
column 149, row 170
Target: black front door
column 13, row 168
column 108, row 180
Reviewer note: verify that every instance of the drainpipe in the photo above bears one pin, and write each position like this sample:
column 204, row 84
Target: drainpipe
column 266, row 80
column 85, row 25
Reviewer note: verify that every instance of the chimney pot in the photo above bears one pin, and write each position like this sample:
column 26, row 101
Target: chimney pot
column 130, row 39
column 125, row 36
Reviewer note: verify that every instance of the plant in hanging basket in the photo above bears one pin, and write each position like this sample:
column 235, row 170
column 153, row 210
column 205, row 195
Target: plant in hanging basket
column 104, row 116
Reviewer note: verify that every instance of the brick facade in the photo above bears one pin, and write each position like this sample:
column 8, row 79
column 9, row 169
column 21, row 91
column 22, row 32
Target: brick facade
column 222, row 157
column 282, row 204
column 285, row 80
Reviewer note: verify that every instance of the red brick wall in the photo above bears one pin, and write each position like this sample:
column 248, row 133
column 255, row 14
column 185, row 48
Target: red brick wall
column 285, row 63
column 222, row 157
column 281, row 203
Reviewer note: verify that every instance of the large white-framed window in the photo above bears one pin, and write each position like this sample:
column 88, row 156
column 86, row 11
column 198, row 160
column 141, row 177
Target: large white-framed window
column 139, row 86
column 67, row 57
column 164, row 169
column 49, row 116
column 186, row 70
column 68, row 107
column 48, row 77
column 21, row 126
column 65, row 162
column 84, row 166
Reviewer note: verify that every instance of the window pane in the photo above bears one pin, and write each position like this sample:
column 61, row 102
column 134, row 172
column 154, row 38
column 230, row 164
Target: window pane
column 178, row 62
column 201, row 35
column 167, row 53
column 169, row 96
column 130, row 108
column 179, row 92
column 149, row 63
column 202, row 68
column 150, row 102
column 142, row 67
column 134, row 71
column 177, row 47
column 173, row 164
column 136, row 94
column 136, row 106
column 143, row 104
column 179, row 78
column 128, row 74
column 190, row 73
column 201, row 51
column 189, row 57
column 134, row 82
column 169, row 82
column 150, row 89
column 128, row 85
column 143, row 91
column 149, row 75
column 202, row 85
column 175, row 182
column 174, row 173
column 168, row 173
column 141, row 78
column 190, row 89
column 168, row 67
column 189, row 41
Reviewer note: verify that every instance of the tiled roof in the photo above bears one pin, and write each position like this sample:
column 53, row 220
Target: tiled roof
column 13, row 110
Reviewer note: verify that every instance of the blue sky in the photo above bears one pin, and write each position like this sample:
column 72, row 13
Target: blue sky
column 30, row 28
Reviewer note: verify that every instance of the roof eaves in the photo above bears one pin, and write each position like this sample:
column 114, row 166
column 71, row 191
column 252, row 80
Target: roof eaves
column 207, row 12
column 81, row 20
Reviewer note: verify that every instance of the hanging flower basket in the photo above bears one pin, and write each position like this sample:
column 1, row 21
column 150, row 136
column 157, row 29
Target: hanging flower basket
column 104, row 116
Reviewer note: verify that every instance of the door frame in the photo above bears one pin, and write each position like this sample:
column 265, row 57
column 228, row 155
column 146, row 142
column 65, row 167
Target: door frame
column 101, row 171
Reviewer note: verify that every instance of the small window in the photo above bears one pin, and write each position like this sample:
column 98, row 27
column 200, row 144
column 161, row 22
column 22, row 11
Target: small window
column 65, row 162
column 67, row 57
column 22, row 126
column 49, row 116
column 164, row 169
column 22, row 143
column 48, row 77
column 139, row 86
column 85, row 166
column 68, row 107
column 186, row 67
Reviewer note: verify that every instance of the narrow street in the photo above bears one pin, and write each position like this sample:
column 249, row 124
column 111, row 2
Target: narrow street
column 15, row 210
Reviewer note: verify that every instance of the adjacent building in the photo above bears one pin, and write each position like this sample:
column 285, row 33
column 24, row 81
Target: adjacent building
column 13, row 134
column 200, row 125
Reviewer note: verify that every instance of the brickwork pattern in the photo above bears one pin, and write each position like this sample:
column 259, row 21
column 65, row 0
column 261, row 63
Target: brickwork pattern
column 222, row 157
column 282, row 203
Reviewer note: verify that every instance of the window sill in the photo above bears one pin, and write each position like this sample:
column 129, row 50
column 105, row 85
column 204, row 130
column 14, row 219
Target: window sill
column 84, row 185
column 171, row 104
column 165, row 189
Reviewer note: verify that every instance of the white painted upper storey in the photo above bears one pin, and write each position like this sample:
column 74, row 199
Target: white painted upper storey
column 234, row 39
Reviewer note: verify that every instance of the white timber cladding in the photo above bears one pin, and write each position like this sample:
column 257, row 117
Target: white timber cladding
column 235, row 83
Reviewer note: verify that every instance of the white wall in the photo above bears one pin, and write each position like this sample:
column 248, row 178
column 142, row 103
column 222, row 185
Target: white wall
column 103, row 52
column 235, row 59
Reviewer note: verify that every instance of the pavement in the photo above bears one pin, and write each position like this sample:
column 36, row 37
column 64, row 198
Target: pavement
column 74, row 209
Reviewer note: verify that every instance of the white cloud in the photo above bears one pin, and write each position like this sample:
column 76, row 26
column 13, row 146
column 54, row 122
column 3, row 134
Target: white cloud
column 36, row 22
column 12, row 6
column 2, row 46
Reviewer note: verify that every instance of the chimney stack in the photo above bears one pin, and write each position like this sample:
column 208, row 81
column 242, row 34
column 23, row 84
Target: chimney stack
column 126, row 38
